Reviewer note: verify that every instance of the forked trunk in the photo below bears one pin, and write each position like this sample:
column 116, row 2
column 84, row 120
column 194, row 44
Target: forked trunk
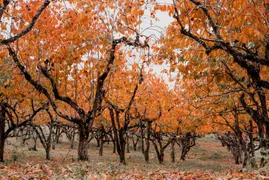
column 160, row 158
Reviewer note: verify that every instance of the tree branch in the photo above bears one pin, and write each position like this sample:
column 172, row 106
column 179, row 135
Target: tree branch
column 29, row 27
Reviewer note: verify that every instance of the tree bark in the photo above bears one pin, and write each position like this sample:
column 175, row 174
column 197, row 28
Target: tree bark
column 2, row 147
column 47, row 150
column 53, row 140
column 173, row 141
column 135, row 141
column 127, row 143
column 73, row 134
column 121, row 150
column 83, row 143
column 146, row 141
column 2, row 132
column 158, row 145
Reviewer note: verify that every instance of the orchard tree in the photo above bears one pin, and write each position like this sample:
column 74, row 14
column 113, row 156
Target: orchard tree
column 120, row 101
column 14, row 115
column 70, row 52
column 153, row 97
column 227, row 33
column 19, row 104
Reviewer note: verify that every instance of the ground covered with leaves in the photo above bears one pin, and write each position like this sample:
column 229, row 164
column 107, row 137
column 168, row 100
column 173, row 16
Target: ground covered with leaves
column 207, row 160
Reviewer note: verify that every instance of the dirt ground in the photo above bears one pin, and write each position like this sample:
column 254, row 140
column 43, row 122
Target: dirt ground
column 206, row 160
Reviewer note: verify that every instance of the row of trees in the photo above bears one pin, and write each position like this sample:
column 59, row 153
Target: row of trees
column 79, row 61
column 139, row 138
column 221, row 51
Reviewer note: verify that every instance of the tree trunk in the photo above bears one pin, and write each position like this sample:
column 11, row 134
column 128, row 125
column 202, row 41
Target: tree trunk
column 83, row 143
column 98, row 142
column 2, row 133
column 146, row 152
column 173, row 141
column 185, row 142
column 135, row 141
column 146, row 141
column 160, row 158
column 159, row 152
column 72, row 140
column 114, row 146
column 251, row 144
column 35, row 141
column 101, row 147
column 267, row 134
column 47, row 150
column 159, row 147
column 2, row 146
column 127, row 143
column 53, row 140
column 57, row 134
column 121, row 150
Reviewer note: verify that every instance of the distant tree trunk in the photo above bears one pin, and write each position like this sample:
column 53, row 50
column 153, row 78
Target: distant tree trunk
column 70, row 132
column 26, row 134
column 135, row 141
column 127, row 143
column 53, row 139
column 146, row 140
column 102, row 135
column 119, row 135
column 114, row 147
column 98, row 141
column 72, row 140
column 113, row 141
column 251, row 144
column 57, row 133
column 185, row 142
column 158, row 145
column 173, row 141
column 45, row 141
column 101, row 147
column 233, row 144
column 35, row 137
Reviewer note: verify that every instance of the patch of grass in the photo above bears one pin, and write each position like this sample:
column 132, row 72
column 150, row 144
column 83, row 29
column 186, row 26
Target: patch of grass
column 80, row 171
column 214, row 156
column 198, row 165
